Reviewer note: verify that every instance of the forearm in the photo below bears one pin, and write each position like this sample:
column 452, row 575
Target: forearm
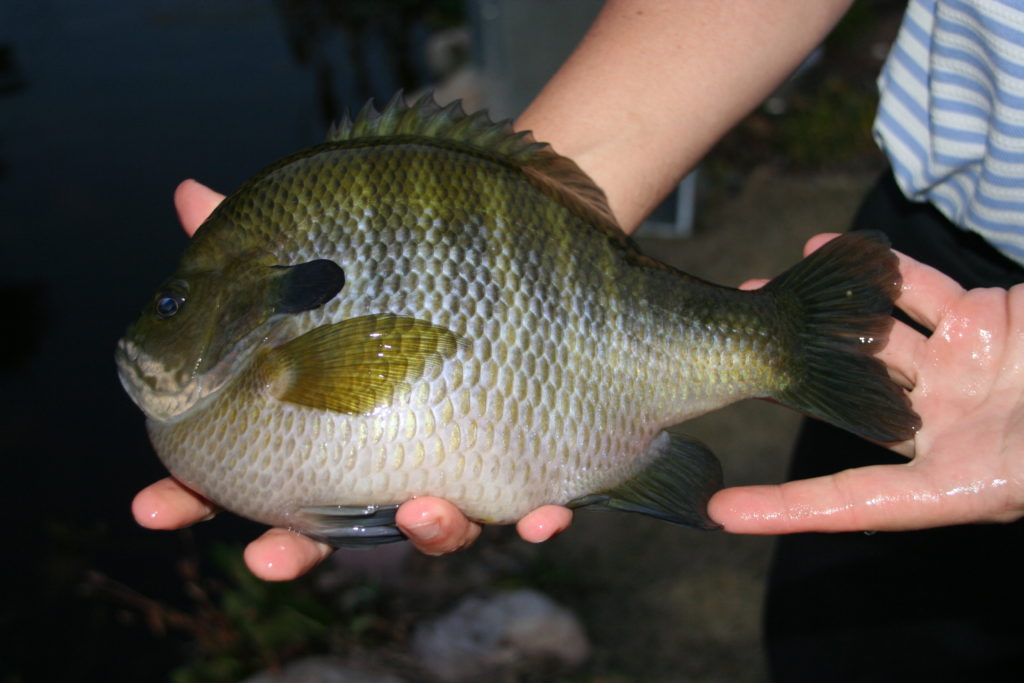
column 655, row 84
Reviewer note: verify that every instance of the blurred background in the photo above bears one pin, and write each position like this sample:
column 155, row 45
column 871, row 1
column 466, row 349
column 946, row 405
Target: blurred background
column 105, row 107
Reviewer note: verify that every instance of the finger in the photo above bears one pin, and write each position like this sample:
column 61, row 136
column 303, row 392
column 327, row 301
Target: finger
column 812, row 245
column 756, row 283
column 818, row 241
column 904, row 343
column 544, row 523
column 927, row 293
column 194, row 203
column 282, row 555
column 901, row 352
column 878, row 498
column 169, row 505
column 435, row 526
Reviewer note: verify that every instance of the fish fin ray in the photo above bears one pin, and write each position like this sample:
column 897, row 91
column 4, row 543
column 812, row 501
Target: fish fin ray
column 681, row 476
column 553, row 174
column 350, row 526
column 356, row 365
column 842, row 297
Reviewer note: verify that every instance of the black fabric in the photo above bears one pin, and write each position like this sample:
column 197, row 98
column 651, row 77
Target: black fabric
column 920, row 230
column 937, row 605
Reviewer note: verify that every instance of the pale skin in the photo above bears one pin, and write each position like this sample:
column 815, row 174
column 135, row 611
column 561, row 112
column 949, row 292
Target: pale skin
column 682, row 74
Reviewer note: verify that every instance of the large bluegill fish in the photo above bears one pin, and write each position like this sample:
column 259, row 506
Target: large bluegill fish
column 431, row 304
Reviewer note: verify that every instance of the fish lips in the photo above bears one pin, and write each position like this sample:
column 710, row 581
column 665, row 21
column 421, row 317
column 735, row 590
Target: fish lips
column 167, row 394
column 161, row 393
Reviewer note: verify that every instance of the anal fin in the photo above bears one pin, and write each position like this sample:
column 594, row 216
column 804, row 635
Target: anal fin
column 351, row 526
column 675, row 486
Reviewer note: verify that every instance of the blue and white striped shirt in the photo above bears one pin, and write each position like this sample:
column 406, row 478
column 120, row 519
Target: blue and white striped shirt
column 951, row 114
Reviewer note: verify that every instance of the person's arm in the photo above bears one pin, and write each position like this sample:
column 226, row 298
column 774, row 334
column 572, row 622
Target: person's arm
column 656, row 83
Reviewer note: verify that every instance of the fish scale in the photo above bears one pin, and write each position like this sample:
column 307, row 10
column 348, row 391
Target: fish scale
column 431, row 304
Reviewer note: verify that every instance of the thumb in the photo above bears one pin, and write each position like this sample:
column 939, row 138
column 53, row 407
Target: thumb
column 194, row 203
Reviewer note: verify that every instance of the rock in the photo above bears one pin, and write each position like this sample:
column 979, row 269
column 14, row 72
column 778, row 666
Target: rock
column 510, row 631
column 322, row 669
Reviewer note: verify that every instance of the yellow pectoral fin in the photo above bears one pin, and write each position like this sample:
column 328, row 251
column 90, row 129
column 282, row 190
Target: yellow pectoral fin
column 357, row 365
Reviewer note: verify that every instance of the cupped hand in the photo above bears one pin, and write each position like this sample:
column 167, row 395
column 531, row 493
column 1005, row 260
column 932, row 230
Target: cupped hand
column 433, row 525
column 966, row 381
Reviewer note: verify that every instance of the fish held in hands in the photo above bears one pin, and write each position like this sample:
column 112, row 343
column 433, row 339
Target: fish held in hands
column 430, row 303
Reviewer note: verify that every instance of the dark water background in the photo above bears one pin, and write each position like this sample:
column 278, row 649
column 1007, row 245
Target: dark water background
column 104, row 108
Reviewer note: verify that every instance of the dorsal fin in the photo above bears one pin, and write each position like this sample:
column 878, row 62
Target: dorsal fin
column 550, row 172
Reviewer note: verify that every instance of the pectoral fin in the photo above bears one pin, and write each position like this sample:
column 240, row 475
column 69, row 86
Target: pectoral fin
column 676, row 485
column 356, row 365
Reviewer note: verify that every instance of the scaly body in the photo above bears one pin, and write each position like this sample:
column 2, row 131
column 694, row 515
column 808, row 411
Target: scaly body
column 571, row 351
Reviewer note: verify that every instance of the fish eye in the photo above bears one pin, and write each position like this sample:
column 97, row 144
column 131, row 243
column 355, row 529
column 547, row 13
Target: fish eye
column 167, row 305
column 168, row 302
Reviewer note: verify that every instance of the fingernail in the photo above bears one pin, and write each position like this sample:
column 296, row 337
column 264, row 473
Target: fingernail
column 424, row 531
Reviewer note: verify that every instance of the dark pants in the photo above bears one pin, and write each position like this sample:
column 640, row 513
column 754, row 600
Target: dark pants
column 937, row 605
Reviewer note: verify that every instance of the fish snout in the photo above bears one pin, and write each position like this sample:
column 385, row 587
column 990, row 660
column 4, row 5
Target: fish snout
column 126, row 351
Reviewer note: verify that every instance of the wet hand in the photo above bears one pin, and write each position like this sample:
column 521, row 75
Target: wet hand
column 966, row 381
column 433, row 525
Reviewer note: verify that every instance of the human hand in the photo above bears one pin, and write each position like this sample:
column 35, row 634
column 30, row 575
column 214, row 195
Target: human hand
column 433, row 525
column 966, row 381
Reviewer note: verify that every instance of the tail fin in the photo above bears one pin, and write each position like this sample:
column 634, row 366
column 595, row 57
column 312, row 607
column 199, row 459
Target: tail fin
column 841, row 297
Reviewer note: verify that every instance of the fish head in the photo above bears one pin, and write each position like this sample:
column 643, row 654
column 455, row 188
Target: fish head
column 204, row 324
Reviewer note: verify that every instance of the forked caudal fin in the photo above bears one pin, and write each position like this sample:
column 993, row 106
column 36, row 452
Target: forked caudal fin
column 841, row 298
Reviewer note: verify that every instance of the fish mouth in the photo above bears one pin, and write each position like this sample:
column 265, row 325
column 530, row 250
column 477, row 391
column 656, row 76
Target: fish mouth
column 167, row 394
column 155, row 389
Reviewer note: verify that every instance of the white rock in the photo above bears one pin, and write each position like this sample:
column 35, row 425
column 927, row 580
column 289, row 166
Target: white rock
column 322, row 669
column 510, row 630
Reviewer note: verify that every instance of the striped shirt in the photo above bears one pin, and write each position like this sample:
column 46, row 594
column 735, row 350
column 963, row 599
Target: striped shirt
column 951, row 114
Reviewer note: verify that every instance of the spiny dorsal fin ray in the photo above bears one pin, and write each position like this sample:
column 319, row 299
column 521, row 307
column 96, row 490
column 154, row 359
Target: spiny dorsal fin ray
column 552, row 173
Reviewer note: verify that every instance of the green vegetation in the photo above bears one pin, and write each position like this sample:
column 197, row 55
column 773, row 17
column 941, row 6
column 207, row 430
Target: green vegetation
column 241, row 624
